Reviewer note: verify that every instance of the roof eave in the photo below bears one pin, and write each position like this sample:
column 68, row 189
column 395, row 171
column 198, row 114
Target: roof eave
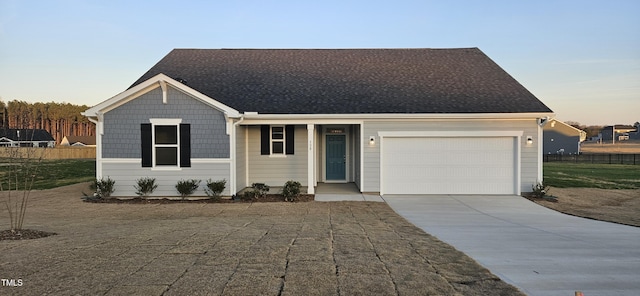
column 529, row 115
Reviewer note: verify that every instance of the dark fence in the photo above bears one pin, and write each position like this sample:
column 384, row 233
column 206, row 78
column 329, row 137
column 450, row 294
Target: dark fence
column 605, row 158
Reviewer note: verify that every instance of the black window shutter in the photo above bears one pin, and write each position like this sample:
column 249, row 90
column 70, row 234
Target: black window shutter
column 265, row 148
column 146, row 144
column 289, row 132
column 185, row 145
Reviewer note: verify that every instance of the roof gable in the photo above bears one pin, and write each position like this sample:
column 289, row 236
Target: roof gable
column 162, row 81
column 566, row 129
column 336, row 81
column 86, row 140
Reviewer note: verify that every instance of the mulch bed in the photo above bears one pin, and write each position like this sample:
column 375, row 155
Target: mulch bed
column 23, row 234
column 139, row 200
column 534, row 198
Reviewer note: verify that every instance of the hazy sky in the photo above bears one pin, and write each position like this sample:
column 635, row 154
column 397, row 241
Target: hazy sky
column 581, row 58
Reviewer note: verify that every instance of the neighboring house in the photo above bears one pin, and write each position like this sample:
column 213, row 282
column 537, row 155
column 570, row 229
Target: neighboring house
column 561, row 138
column 635, row 135
column 78, row 141
column 11, row 137
column 392, row 121
column 617, row 132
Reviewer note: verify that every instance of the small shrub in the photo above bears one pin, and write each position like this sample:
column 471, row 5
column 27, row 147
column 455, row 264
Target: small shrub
column 248, row 195
column 103, row 187
column 540, row 190
column 187, row 187
column 260, row 189
column 145, row 186
column 214, row 189
column 291, row 190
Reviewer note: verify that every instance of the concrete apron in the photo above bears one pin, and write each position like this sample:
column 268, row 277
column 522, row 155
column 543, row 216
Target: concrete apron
column 539, row 250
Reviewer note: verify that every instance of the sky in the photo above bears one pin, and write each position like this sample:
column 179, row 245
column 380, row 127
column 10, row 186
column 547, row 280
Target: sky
column 581, row 58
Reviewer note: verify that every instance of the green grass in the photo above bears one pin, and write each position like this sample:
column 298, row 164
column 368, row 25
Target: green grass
column 606, row 176
column 56, row 173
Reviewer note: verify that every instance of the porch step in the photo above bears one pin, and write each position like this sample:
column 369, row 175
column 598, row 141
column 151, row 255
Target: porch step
column 348, row 197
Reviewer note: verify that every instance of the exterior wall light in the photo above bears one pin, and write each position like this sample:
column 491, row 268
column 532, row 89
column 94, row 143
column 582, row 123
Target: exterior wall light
column 372, row 140
column 529, row 140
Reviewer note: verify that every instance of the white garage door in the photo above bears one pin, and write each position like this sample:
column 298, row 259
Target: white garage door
column 440, row 165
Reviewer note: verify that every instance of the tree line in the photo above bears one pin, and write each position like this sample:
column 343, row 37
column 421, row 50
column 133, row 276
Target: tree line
column 591, row 130
column 59, row 119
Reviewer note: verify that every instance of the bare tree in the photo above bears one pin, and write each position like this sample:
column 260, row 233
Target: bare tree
column 16, row 183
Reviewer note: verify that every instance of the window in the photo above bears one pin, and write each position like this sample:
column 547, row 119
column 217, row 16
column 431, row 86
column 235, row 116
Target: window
column 166, row 143
column 277, row 140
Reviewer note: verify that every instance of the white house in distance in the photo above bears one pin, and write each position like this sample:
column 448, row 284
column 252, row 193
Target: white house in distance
column 391, row 121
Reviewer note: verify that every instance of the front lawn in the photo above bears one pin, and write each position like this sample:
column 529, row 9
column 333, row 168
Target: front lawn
column 606, row 176
column 56, row 173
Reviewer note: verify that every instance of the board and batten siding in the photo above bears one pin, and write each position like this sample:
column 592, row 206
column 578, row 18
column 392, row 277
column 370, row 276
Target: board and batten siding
column 121, row 138
column 528, row 153
column 125, row 173
column 276, row 170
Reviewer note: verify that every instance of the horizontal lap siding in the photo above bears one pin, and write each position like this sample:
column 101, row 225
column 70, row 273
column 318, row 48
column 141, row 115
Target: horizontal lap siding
column 275, row 170
column 125, row 174
column 241, row 159
column 529, row 153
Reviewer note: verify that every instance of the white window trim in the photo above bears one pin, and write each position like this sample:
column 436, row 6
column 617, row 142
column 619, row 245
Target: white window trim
column 165, row 121
column 283, row 140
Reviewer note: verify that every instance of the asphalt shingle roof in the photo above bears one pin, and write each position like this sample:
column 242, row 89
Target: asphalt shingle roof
column 26, row 134
column 334, row 81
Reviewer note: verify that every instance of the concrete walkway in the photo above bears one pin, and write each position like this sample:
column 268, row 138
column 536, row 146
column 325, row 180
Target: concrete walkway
column 540, row 251
column 343, row 192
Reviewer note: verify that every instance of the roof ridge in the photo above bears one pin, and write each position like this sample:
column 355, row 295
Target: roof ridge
column 337, row 49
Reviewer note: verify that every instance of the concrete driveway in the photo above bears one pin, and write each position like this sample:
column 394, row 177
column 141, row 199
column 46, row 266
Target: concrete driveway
column 540, row 251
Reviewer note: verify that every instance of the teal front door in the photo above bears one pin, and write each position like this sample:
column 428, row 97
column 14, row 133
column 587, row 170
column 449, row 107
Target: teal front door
column 336, row 157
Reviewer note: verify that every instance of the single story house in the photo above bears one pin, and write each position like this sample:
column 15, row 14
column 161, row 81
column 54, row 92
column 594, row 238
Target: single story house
column 78, row 141
column 13, row 137
column 561, row 138
column 392, row 121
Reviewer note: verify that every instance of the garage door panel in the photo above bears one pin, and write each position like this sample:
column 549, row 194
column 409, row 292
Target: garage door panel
column 431, row 165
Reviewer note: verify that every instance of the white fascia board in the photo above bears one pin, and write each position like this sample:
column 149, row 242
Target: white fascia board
column 151, row 84
column 300, row 121
column 255, row 117
column 450, row 134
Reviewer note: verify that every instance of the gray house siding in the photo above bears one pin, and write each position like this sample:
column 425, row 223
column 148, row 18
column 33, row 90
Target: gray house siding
column 559, row 143
column 121, row 137
column 276, row 170
column 356, row 146
column 529, row 153
column 241, row 157
column 126, row 174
